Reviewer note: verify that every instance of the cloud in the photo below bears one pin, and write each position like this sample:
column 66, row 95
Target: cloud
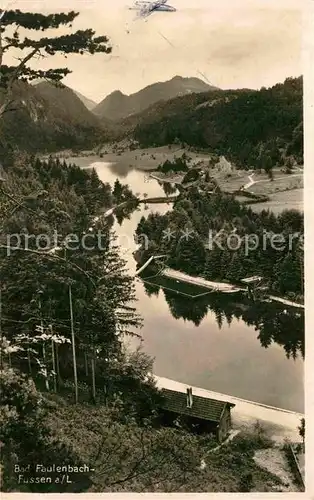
column 244, row 43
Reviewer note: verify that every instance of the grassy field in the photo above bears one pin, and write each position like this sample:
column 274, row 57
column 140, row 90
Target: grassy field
column 242, row 199
column 171, row 178
column 285, row 200
column 230, row 182
column 285, row 191
column 235, row 179
column 282, row 183
column 150, row 158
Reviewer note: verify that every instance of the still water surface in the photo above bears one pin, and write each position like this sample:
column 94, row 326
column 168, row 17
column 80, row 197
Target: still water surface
column 217, row 344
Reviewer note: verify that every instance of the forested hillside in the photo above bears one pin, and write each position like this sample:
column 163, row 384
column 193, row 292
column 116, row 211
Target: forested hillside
column 216, row 237
column 70, row 393
column 118, row 105
column 73, row 394
column 47, row 118
column 41, row 206
column 251, row 128
column 88, row 103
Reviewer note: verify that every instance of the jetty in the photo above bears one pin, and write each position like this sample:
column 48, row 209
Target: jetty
column 214, row 286
column 193, row 280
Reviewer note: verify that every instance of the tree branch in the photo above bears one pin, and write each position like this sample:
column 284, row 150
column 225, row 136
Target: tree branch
column 50, row 256
column 19, row 203
column 79, row 42
column 38, row 21
column 14, row 77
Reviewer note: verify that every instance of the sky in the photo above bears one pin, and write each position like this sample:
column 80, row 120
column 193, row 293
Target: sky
column 234, row 43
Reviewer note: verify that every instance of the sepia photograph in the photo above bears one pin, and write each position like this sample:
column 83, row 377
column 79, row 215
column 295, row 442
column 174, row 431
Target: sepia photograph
column 152, row 302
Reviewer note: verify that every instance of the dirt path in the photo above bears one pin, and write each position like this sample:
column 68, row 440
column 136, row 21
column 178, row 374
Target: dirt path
column 252, row 181
column 274, row 460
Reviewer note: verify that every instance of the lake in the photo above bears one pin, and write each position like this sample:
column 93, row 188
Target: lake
column 217, row 343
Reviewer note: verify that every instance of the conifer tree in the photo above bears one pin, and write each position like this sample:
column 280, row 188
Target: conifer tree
column 31, row 47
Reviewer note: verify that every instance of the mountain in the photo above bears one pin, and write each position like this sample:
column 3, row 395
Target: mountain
column 88, row 103
column 177, row 106
column 47, row 118
column 65, row 103
column 249, row 127
column 117, row 105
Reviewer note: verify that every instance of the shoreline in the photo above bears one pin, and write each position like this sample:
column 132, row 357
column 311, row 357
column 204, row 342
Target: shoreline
column 172, row 179
column 280, row 423
column 222, row 287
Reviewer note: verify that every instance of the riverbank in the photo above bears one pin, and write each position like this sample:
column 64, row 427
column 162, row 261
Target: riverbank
column 168, row 178
column 283, row 193
column 280, row 424
column 147, row 159
column 230, row 349
column 286, row 302
column 220, row 287
column 282, row 200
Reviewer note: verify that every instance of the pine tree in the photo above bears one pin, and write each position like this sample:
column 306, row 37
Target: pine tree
column 13, row 39
column 117, row 190
column 301, row 430
column 102, row 292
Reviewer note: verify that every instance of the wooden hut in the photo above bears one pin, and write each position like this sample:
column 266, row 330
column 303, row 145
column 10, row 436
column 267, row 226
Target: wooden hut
column 199, row 413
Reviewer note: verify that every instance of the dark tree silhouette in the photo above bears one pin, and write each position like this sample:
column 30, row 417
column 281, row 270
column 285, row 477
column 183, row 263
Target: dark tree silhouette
column 14, row 39
column 301, row 429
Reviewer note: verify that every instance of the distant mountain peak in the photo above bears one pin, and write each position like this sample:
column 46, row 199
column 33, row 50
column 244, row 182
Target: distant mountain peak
column 181, row 78
column 64, row 104
column 88, row 103
column 117, row 105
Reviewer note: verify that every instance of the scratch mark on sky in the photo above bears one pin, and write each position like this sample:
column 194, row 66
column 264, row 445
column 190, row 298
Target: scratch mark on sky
column 205, row 77
column 172, row 45
column 167, row 40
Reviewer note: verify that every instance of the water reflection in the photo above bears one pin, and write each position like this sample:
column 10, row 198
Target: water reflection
column 126, row 212
column 121, row 170
column 273, row 323
column 218, row 342
column 168, row 188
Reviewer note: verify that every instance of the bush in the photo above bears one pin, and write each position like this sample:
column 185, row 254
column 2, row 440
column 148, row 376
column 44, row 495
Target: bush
column 248, row 443
column 246, row 483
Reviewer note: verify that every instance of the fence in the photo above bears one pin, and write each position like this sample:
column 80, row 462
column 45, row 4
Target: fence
column 293, row 461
